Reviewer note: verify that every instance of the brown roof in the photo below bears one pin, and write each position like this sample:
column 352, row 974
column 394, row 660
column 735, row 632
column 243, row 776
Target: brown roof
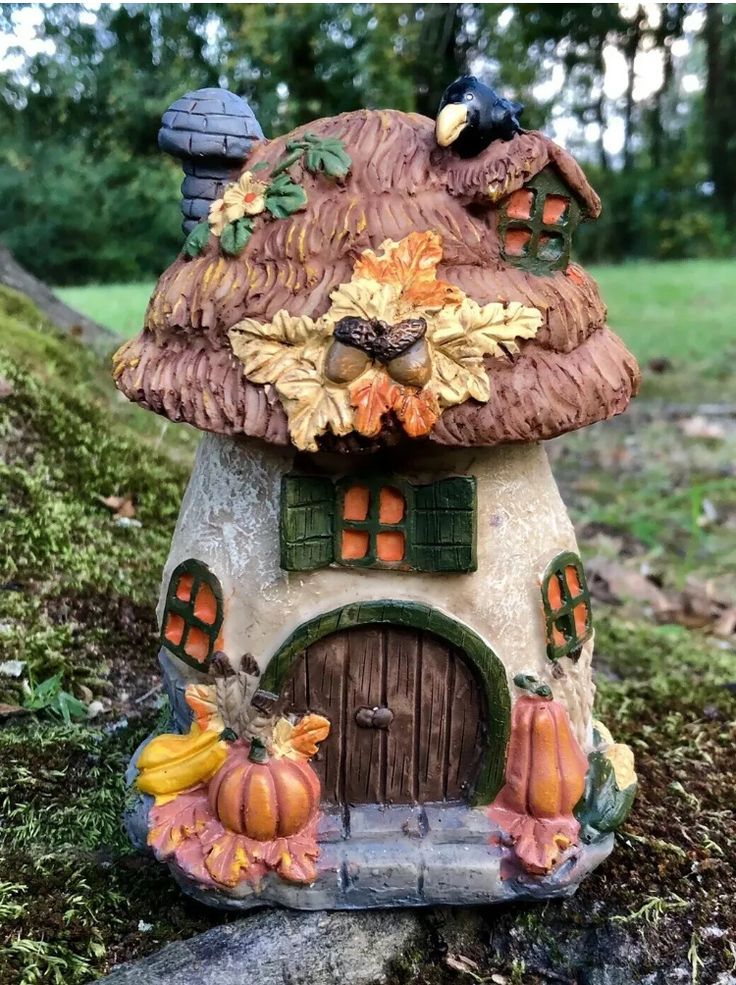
column 573, row 372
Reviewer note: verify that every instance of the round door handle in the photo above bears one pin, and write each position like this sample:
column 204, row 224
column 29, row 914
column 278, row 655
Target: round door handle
column 374, row 717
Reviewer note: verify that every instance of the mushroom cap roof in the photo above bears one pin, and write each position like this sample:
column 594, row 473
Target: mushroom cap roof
column 573, row 372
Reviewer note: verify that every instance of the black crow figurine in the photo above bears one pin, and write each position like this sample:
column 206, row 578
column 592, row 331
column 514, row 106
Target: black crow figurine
column 472, row 115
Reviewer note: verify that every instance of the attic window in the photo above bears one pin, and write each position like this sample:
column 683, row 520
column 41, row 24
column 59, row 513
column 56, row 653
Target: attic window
column 536, row 224
column 378, row 521
column 193, row 614
column 566, row 603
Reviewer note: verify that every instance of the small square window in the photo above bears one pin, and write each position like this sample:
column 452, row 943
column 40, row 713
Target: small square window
column 356, row 503
column 520, row 204
column 390, row 546
column 355, row 544
column 517, row 242
column 174, row 629
column 555, row 209
column 551, row 246
column 392, row 505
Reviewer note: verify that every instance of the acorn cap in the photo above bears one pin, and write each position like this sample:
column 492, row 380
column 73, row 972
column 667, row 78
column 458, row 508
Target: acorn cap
column 575, row 370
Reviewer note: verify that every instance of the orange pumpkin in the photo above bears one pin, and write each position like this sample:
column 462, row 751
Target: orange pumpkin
column 263, row 797
column 545, row 778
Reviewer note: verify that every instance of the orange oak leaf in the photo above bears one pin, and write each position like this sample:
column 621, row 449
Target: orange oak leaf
column 202, row 699
column 417, row 410
column 411, row 264
column 307, row 732
column 372, row 396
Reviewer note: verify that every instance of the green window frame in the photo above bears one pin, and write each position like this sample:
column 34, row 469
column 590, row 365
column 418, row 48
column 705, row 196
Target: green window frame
column 548, row 243
column 438, row 524
column 567, row 612
column 193, row 614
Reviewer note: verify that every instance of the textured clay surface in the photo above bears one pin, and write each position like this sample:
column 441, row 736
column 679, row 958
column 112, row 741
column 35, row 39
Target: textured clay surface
column 230, row 521
column 574, row 372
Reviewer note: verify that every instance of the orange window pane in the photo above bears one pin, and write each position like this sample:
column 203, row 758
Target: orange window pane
column 520, row 204
column 554, row 208
column 580, row 615
column 205, row 605
column 573, row 580
column 356, row 503
column 174, row 629
column 184, row 588
column 354, row 544
column 197, row 645
column 517, row 242
column 391, row 505
column 390, row 546
column 558, row 637
column 554, row 593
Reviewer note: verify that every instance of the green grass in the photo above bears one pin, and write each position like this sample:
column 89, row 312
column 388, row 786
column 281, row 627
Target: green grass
column 120, row 307
column 680, row 310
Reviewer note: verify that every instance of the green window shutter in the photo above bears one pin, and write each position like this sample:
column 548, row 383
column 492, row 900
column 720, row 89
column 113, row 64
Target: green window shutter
column 444, row 529
column 307, row 521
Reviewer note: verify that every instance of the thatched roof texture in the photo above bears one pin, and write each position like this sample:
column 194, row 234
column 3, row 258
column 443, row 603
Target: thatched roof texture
column 574, row 371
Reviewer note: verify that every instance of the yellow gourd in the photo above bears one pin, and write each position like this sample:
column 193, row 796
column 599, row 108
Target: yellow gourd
column 171, row 763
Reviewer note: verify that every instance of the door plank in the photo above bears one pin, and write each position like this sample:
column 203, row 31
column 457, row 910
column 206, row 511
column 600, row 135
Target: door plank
column 402, row 651
column 364, row 683
column 433, row 719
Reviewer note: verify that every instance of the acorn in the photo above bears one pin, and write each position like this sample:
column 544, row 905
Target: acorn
column 413, row 367
column 344, row 363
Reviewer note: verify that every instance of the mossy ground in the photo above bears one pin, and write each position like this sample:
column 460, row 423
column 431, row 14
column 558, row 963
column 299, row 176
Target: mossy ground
column 76, row 597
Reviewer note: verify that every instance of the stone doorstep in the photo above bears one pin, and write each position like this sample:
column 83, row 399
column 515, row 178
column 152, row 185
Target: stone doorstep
column 436, row 823
column 413, row 872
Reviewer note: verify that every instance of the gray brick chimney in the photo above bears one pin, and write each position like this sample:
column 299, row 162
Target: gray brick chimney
column 211, row 131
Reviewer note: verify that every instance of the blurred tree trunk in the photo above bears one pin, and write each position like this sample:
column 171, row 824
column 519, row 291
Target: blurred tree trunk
column 630, row 49
column 720, row 100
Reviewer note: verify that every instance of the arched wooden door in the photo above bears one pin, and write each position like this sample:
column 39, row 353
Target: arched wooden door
column 433, row 739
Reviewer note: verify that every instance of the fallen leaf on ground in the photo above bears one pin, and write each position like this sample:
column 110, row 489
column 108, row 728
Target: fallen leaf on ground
column 459, row 962
column 611, row 581
column 701, row 427
column 121, row 506
column 9, row 711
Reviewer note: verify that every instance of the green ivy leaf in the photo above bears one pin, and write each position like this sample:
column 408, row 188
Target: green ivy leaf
column 259, row 167
column 197, row 239
column 328, row 155
column 284, row 197
column 235, row 236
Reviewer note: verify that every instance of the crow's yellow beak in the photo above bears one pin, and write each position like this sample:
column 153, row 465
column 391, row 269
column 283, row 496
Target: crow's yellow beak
column 451, row 121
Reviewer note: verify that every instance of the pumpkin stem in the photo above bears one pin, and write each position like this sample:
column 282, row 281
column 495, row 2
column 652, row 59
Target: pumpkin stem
column 258, row 752
column 526, row 682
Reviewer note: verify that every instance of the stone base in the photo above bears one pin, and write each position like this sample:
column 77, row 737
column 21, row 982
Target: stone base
column 403, row 856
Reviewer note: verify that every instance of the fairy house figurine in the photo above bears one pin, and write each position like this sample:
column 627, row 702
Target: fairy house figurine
column 376, row 633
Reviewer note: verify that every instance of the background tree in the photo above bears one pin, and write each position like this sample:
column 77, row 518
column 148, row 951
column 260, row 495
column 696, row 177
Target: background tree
column 85, row 194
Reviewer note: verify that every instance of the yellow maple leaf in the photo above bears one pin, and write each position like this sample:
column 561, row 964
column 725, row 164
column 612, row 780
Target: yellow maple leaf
column 460, row 337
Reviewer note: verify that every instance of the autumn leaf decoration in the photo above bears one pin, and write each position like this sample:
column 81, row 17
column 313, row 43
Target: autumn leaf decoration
column 391, row 288
column 299, row 741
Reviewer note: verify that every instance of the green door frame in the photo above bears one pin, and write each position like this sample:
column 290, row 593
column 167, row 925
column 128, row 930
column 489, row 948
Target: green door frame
column 491, row 671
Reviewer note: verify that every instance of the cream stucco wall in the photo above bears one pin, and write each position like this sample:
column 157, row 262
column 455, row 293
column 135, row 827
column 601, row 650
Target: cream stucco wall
column 230, row 520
